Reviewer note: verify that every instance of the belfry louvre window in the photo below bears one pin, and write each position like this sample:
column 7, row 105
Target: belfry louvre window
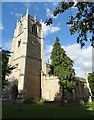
column 19, row 43
column 20, row 28
column 34, row 28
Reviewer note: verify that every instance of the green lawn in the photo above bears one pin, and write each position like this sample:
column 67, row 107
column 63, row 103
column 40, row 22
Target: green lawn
column 49, row 110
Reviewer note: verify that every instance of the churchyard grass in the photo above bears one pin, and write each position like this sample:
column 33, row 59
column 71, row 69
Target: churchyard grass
column 48, row 110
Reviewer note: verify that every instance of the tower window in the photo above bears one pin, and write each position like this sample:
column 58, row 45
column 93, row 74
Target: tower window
column 19, row 43
column 20, row 28
column 34, row 28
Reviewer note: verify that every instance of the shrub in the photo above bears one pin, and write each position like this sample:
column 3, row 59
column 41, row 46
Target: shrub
column 41, row 101
column 38, row 100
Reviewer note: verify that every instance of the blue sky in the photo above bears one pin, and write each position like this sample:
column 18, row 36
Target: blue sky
column 12, row 11
column 43, row 10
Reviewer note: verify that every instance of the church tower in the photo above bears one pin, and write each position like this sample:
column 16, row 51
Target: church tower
column 27, row 56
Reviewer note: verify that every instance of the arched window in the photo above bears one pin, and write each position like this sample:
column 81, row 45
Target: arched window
column 34, row 28
column 20, row 28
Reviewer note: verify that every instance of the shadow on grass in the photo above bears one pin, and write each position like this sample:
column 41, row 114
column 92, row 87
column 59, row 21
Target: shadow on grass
column 49, row 110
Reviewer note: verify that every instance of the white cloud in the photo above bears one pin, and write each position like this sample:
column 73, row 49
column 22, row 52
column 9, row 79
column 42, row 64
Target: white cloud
column 49, row 13
column 11, row 13
column 18, row 14
column 6, row 45
column 75, row 2
column 79, row 72
column 93, row 59
column 49, row 29
column 48, row 49
column 1, row 26
column 55, row 3
column 81, row 57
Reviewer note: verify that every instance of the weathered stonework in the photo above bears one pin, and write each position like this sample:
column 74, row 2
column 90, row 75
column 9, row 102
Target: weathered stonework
column 31, row 72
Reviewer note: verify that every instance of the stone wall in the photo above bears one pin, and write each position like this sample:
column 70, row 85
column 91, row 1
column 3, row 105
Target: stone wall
column 50, row 88
column 32, row 83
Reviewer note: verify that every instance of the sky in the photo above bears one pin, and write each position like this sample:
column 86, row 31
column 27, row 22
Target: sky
column 11, row 11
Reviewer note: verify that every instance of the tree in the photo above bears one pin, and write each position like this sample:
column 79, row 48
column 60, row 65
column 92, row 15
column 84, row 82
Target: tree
column 82, row 22
column 62, row 67
column 6, row 68
column 91, row 81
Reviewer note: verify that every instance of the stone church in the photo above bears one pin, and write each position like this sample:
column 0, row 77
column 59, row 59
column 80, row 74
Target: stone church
column 31, row 72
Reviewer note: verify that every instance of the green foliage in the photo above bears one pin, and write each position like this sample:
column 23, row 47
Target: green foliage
column 38, row 100
column 41, row 101
column 62, row 66
column 82, row 22
column 6, row 68
column 91, row 81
